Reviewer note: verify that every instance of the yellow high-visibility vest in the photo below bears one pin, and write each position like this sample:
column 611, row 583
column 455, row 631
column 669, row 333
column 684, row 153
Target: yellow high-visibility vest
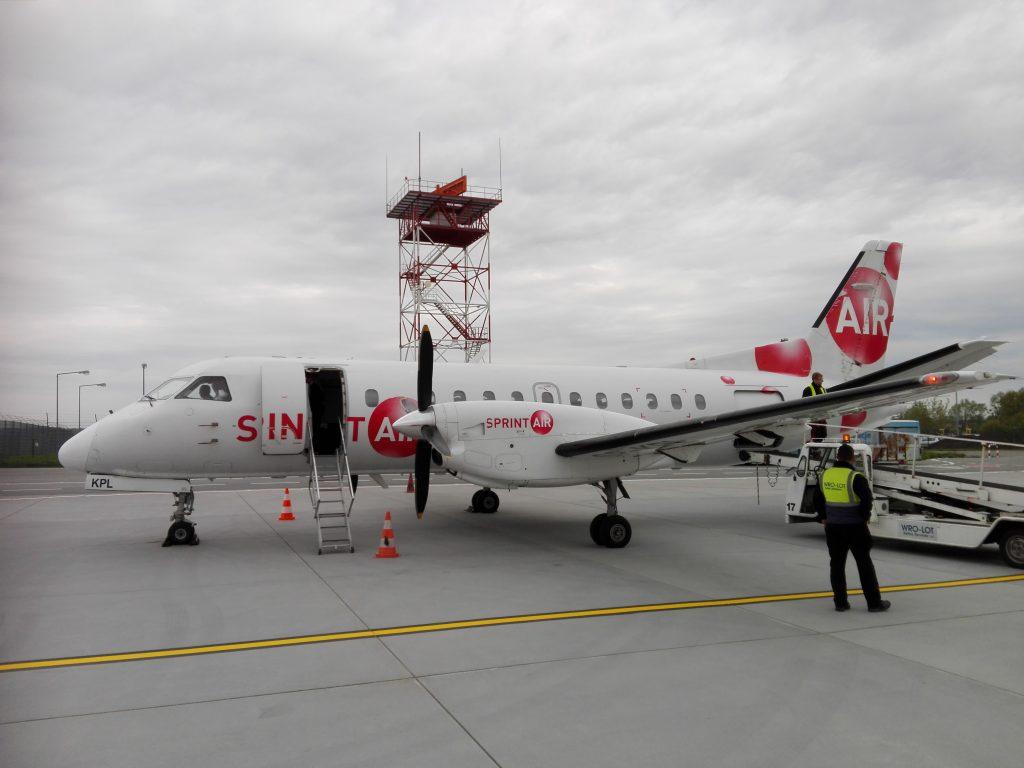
column 814, row 390
column 837, row 488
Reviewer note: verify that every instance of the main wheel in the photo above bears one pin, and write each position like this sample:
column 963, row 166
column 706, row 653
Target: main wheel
column 489, row 501
column 181, row 532
column 475, row 502
column 1011, row 547
column 595, row 529
column 616, row 532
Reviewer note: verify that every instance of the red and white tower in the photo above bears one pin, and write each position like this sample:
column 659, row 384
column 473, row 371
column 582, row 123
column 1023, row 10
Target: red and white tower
column 444, row 263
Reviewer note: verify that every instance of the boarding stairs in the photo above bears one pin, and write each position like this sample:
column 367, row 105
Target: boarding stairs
column 332, row 494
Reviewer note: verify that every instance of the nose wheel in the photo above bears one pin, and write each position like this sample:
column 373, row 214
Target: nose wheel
column 182, row 531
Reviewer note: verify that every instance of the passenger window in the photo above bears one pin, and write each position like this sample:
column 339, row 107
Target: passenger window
column 517, row 395
column 458, row 396
column 652, row 401
column 372, row 398
column 547, row 397
column 602, row 400
column 575, row 399
column 700, row 402
column 677, row 401
column 627, row 400
column 488, row 395
column 208, row 388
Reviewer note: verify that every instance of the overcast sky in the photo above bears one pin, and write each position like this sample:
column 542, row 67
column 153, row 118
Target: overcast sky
column 182, row 181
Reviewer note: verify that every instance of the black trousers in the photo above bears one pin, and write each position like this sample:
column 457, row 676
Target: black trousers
column 855, row 539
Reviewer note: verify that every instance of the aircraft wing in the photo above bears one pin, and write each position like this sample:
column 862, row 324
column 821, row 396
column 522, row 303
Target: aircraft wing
column 763, row 422
column 955, row 357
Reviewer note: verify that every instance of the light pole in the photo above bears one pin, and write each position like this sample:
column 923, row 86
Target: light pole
column 80, row 388
column 65, row 373
column 143, row 379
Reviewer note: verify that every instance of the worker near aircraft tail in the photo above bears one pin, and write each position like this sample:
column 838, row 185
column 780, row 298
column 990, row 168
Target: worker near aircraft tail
column 817, row 387
column 843, row 503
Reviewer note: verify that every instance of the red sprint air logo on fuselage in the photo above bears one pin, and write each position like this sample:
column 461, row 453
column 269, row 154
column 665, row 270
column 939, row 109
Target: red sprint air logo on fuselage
column 540, row 422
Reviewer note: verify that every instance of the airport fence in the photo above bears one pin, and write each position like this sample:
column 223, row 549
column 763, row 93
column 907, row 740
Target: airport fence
column 31, row 438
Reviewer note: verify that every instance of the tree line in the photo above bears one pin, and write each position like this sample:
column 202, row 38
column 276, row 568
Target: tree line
column 1002, row 419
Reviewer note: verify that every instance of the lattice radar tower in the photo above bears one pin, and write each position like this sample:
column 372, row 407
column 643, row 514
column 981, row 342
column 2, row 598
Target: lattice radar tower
column 444, row 262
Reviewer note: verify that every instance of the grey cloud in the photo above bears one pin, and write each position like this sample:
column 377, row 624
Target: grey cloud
column 187, row 181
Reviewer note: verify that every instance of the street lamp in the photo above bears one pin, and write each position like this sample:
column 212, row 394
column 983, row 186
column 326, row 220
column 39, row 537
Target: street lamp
column 80, row 388
column 143, row 379
column 65, row 373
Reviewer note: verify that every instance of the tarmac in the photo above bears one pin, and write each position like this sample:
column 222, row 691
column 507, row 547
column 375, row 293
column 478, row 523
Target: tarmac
column 506, row 639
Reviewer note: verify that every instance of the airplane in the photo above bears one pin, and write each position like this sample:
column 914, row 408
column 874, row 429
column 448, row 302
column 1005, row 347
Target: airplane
column 518, row 426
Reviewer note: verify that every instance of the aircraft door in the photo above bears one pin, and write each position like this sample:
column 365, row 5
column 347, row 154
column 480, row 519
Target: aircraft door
column 546, row 392
column 285, row 418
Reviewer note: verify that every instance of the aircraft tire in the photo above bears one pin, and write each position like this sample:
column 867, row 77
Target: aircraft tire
column 181, row 532
column 475, row 501
column 595, row 529
column 489, row 502
column 616, row 531
column 1011, row 546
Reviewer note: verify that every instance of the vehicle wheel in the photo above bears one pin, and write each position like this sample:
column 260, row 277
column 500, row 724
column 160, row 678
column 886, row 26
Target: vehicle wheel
column 181, row 532
column 1011, row 547
column 489, row 502
column 595, row 529
column 475, row 502
column 616, row 532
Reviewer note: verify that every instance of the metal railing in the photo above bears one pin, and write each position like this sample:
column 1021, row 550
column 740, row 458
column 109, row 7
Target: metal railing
column 986, row 448
column 425, row 185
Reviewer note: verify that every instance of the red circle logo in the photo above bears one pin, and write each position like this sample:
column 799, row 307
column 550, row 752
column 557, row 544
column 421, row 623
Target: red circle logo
column 859, row 319
column 381, row 432
column 541, row 422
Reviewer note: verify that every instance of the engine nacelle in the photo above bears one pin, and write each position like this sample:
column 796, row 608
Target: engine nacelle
column 505, row 444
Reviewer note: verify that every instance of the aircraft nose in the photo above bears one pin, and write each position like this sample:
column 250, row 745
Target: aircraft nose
column 74, row 453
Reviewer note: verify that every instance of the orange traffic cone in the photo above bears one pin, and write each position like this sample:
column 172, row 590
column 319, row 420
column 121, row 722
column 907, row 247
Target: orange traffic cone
column 286, row 507
column 387, row 539
column 409, row 487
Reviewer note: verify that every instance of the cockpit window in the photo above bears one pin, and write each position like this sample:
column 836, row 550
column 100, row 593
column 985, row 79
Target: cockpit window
column 207, row 388
column 168, row 388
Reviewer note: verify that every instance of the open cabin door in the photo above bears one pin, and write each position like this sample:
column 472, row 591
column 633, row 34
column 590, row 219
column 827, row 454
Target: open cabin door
column 326, row 387
column 285, row 417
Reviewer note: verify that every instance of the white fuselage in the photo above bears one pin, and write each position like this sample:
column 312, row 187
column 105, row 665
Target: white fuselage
column 193, row 438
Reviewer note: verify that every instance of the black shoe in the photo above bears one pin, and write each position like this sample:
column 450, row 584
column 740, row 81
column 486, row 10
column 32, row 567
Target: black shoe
column 843, row 607
column 882, row 606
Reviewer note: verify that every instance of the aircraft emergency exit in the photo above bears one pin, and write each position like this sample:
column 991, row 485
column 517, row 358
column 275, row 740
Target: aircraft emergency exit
column 518, row 426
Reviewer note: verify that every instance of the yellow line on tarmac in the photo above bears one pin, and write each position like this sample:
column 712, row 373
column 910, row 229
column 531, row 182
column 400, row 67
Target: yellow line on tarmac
column 445, row 626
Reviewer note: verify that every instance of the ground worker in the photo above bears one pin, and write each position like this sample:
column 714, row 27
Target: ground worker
column 819, row 431
column 843, row 503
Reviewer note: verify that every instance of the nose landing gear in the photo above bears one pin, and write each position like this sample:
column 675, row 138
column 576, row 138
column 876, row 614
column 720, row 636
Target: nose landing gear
column 182, row 531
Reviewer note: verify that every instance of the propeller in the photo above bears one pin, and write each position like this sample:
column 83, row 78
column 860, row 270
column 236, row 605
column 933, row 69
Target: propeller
column 424, row 385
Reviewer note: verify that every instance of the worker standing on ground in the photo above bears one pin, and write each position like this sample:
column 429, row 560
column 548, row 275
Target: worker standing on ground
column 819, row 431
column 843, row 503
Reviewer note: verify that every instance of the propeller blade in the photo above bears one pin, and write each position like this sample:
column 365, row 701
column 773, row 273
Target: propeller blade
column 422, row 473
column 425, row 370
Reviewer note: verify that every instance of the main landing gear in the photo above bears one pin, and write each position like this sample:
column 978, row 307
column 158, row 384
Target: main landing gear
column 610, row 529
column 485, row 501
column 182, row 531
